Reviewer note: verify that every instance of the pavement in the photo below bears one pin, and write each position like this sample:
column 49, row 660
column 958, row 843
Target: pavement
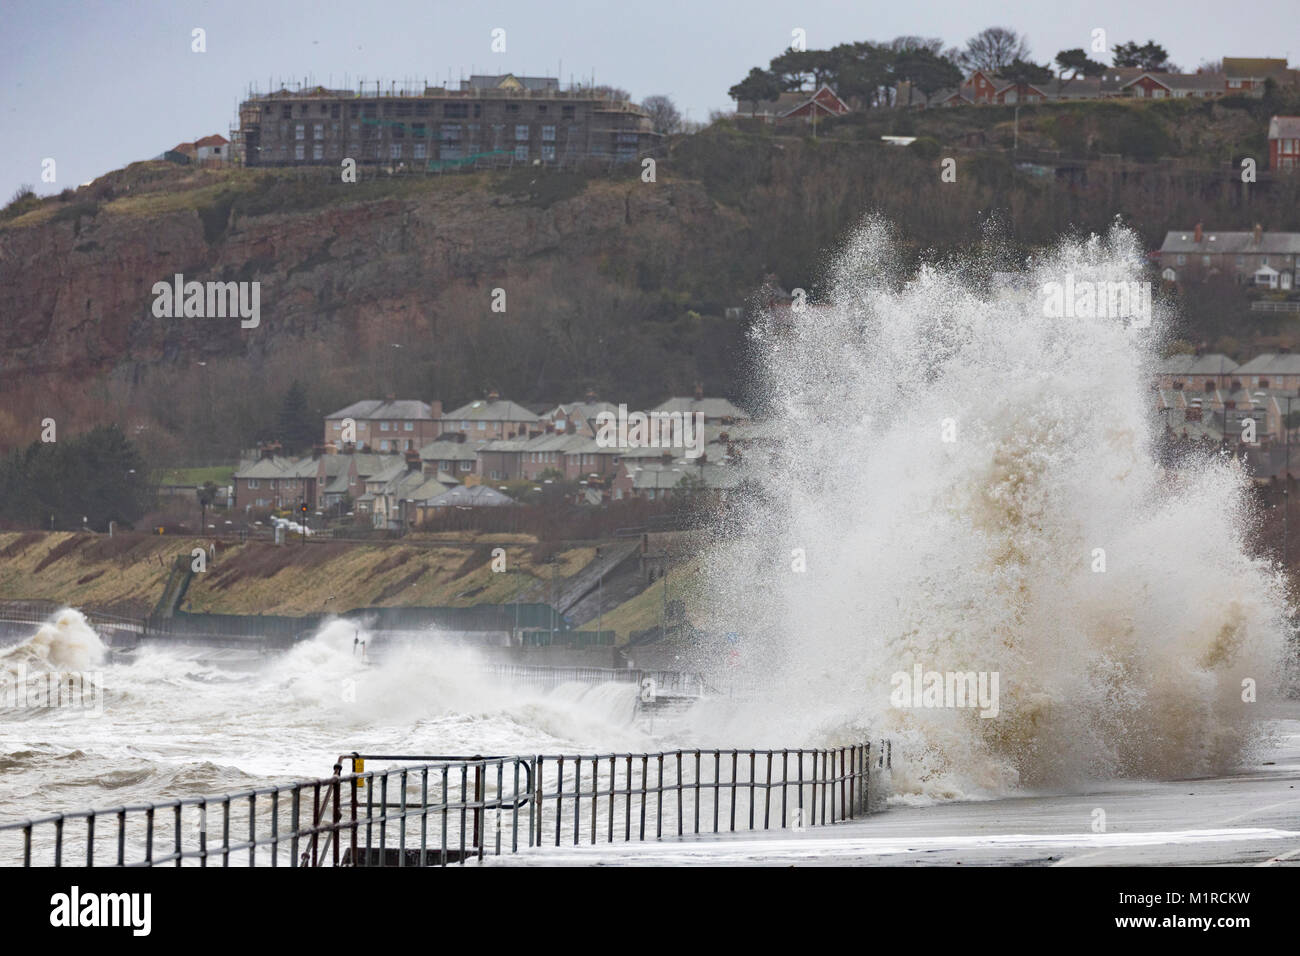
column 1251, row 817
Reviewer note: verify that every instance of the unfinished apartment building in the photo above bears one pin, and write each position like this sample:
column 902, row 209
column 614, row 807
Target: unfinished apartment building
column 489, row 121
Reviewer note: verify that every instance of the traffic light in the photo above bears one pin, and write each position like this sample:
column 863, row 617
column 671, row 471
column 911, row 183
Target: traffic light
column 303, row 508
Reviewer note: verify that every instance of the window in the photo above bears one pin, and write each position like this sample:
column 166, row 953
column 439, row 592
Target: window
column 383, row 426
column 455, row 110
column 253, row 483
column 383, row 445
column 299, row 131
column 482, row 426
column 521, row 152
column 466, row 465
column 421, row 150
column 408, row 426
column 318, row 131
column 318, row 151
column 548, row 152
column 395, row 151
column 449, row 133
column 298, row 152
column 548, row 134
column 1182, row 260
column 1205, row 261
column 352, row 479
column 521, row 132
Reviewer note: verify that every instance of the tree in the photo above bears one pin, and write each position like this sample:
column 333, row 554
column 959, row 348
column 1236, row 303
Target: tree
column 1150, row 56
column 863, row 70
column 759, row 85
column 98, row 476
column 295, row 427
column 926, row 71
column 664, row 116
column 1077, row 64
column 994, row 49
column 1024, row 73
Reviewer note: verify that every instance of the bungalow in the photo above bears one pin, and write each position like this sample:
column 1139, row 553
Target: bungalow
column 794, row 106
column 1158, row 86
column 653, row 480
column 1284, row 142
column 212, row 149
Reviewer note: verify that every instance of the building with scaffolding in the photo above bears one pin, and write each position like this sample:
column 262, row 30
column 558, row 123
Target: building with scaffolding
column 488, row 121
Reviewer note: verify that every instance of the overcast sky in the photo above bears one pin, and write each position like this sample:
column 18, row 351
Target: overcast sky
column 97, row 84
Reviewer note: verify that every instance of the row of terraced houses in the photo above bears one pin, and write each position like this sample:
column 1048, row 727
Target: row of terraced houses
column 402, row 461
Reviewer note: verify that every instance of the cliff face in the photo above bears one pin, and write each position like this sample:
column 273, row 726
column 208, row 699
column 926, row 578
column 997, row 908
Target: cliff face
column 75, row 286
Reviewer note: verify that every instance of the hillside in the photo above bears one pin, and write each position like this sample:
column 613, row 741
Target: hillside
column 612, row 283
column 126, row 574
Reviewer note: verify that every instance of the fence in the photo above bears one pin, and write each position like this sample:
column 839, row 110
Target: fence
column 449, row 809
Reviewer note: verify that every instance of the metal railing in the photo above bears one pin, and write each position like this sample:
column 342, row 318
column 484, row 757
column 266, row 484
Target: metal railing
column 439, row 810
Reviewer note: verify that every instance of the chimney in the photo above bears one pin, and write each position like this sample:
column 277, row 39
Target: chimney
column 591, row 395
column 390, row 398
column 412, row 460
column 435, row 409
column 1196, row 236
column 493, row 395
column 1259, row 233
column 316, row 451
column 699, row 391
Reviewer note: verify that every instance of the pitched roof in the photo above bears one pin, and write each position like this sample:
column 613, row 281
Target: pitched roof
column 374, row 408
column 1280, row 243
column 1284, row 127
column 476, row 496
column 711, row 407
column 1216, row 82
column 275, row 467
column 494, row 410
column 1248, row 67
column 1271, row 363
column 451, row 450
column 1213, row 363
column 216, row 139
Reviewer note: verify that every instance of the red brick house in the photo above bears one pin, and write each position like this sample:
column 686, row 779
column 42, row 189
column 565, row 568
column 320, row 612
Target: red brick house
column 1284, row 142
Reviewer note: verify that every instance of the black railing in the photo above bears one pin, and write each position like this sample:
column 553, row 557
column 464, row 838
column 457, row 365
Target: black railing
column 437, row 810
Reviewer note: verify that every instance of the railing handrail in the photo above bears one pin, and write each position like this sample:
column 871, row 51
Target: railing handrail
column 836, row 786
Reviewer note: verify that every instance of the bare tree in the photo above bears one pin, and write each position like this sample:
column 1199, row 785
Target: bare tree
column 993, row 49
column 663, row 114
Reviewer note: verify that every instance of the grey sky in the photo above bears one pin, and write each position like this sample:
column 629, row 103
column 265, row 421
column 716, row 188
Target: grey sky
column 96, row 85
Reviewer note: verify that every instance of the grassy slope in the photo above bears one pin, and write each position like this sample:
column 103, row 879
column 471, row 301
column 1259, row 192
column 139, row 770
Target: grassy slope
column 127, row 573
